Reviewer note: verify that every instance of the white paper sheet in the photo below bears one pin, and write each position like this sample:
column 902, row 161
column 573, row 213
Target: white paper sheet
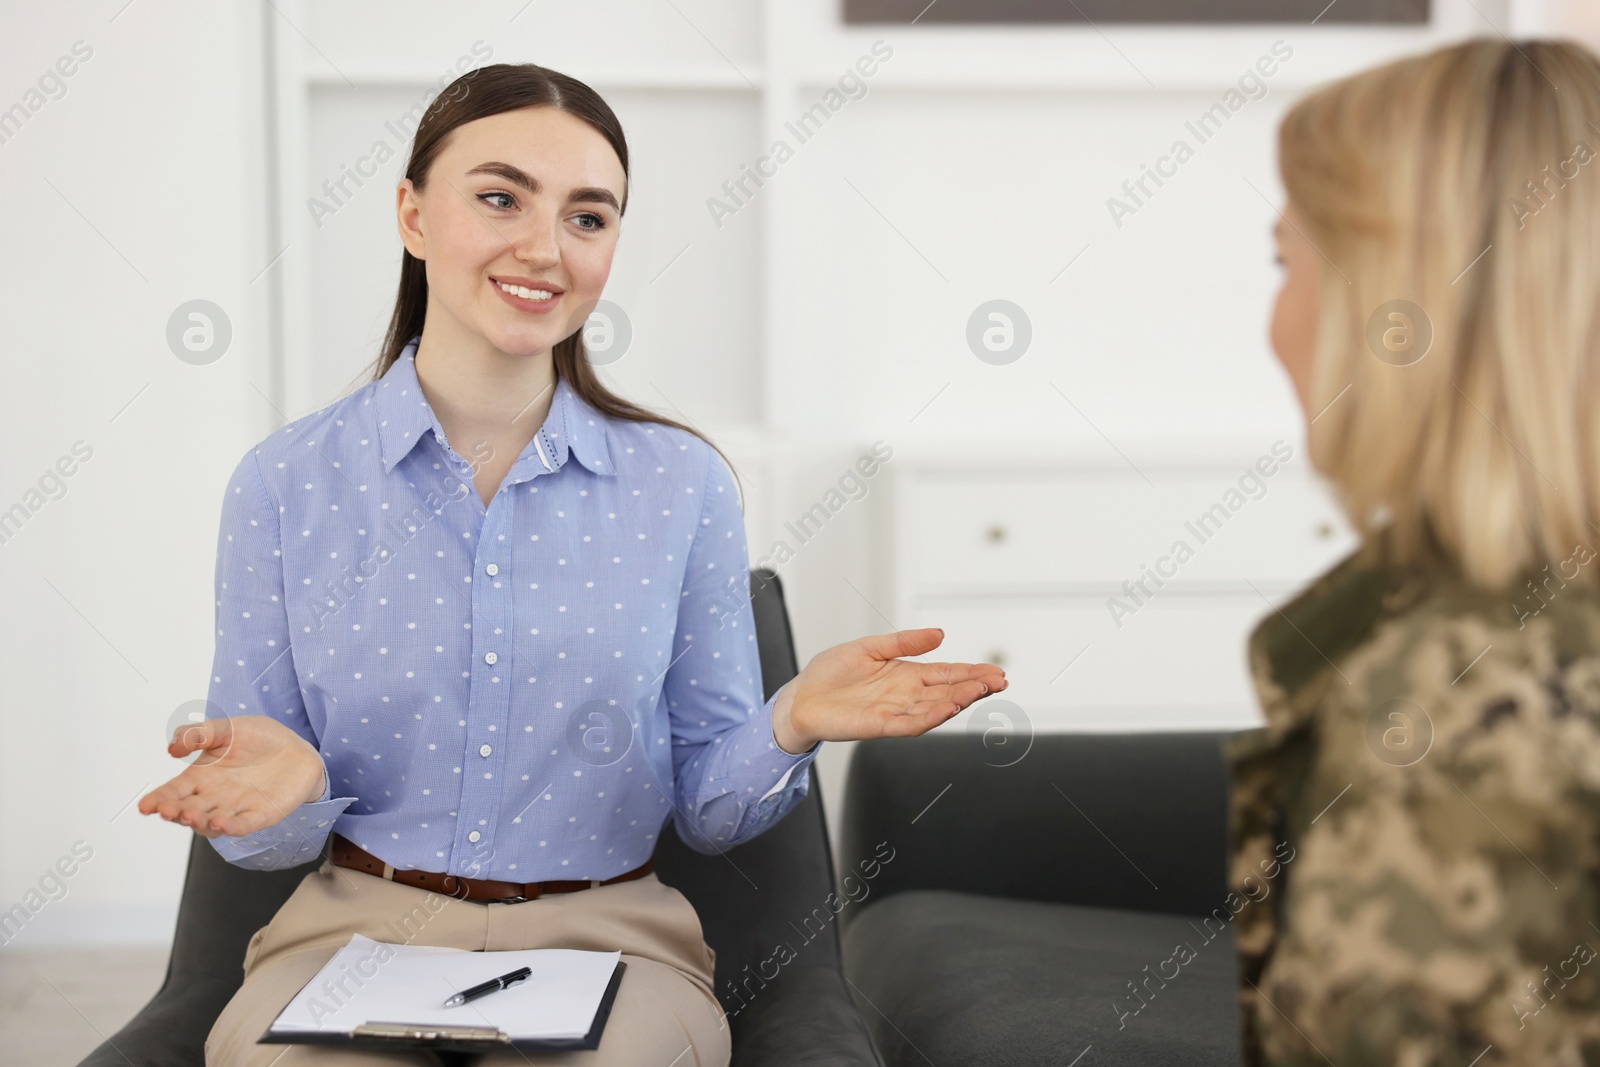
column 373, row 981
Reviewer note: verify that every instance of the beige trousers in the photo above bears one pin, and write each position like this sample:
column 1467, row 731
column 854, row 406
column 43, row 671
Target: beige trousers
column 665, row 1014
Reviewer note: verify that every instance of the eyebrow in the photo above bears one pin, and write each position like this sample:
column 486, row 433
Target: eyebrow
column 589, row 194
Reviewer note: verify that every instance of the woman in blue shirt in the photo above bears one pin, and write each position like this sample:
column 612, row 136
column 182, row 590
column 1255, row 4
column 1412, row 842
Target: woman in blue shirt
column 488, row 624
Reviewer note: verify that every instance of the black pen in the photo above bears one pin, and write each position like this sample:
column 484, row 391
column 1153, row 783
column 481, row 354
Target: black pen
column 491, row 986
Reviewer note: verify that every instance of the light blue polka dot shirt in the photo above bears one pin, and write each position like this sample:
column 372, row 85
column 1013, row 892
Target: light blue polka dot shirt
column 522, row 691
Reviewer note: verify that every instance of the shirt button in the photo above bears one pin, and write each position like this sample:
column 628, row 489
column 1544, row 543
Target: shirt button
column 473, row 836
column 490, row 658
column 491, row 570
column 485, row 750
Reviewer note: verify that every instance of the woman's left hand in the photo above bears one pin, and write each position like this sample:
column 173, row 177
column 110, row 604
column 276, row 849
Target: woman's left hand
column 860, row 690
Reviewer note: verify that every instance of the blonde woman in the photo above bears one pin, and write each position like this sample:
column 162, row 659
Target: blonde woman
column 1426, row 792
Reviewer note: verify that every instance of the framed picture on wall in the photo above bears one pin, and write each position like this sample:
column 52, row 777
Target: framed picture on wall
column 1405, row 12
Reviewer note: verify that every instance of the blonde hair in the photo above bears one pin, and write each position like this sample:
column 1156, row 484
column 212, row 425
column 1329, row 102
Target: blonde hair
column 1465, row 182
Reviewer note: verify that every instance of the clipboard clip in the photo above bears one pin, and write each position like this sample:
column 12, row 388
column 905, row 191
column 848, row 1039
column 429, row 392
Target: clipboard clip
column 413, row 1032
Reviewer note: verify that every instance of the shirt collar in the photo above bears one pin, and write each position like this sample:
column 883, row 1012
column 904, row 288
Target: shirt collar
column 404, row 418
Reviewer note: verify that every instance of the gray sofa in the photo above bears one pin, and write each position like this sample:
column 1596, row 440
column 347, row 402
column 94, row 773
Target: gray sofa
column 1031, row 913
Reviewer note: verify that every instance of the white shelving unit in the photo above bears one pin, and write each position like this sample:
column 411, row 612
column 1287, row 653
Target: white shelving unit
column 1117, row 596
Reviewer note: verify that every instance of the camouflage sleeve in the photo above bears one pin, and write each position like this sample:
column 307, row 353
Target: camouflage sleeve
column 1443, row 906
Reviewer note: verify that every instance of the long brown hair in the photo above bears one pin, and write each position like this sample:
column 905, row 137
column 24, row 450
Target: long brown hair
column 477, row 94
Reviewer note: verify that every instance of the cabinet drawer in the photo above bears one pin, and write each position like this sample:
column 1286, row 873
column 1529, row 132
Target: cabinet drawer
column 1063, row 531
column 1179, row 662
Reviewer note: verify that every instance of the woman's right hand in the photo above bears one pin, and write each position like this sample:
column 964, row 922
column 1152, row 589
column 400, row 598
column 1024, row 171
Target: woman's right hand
column 252, row 772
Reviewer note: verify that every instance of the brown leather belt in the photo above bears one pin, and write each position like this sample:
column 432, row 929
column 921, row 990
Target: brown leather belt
column 346, row 853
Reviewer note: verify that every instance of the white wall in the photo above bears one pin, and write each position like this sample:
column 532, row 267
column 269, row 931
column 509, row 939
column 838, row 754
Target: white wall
column 826, row 314
column 138, row 189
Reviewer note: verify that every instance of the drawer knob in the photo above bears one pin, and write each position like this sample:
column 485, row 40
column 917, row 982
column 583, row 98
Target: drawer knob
column 997, row 533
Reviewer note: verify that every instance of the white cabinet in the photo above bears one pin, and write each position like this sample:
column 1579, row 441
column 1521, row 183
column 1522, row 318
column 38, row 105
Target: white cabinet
column 1116, row 597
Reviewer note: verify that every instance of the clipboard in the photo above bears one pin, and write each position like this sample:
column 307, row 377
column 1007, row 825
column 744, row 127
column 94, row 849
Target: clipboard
column 452, row 1039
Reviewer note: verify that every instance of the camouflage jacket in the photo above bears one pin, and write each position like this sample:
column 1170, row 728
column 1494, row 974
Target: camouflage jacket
column 1415, row 833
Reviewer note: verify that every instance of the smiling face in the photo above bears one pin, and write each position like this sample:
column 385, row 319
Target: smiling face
column 527, row 201
column 1294, row 316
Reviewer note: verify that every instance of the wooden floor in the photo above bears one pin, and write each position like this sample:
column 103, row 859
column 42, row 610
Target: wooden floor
column 57, row 1005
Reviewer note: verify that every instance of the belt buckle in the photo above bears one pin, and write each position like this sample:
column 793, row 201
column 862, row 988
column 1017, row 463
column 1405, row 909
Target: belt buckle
column 518, row 899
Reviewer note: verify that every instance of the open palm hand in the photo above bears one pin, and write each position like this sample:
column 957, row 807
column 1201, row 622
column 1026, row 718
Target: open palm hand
column 252, row 772
column 861, row 689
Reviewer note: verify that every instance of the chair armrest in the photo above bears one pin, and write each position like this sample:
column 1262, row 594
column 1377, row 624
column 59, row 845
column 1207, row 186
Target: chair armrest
column 170, row 1030
column 221, row 908
column 807, row 1019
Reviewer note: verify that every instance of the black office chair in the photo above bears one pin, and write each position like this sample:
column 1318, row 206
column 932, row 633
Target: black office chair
column 749, row 900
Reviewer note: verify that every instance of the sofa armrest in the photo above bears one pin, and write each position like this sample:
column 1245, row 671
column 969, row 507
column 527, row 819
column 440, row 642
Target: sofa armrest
column 1135, row 821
